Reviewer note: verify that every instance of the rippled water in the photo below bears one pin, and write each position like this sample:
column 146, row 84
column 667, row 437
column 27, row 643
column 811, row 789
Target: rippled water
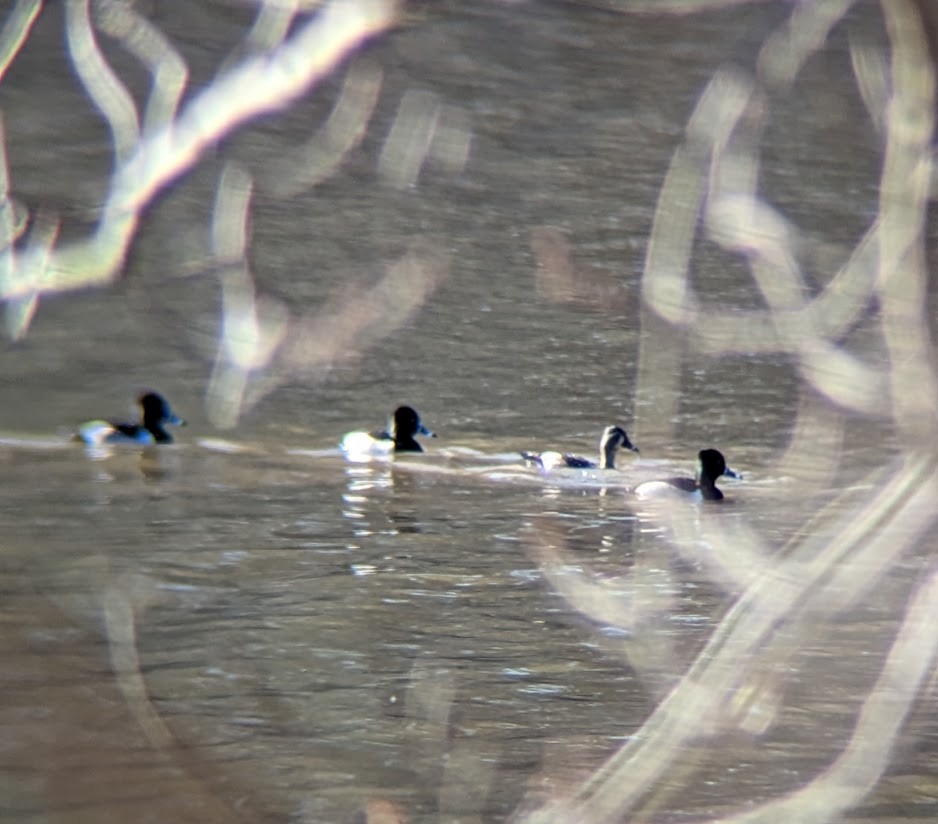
column 246, row 626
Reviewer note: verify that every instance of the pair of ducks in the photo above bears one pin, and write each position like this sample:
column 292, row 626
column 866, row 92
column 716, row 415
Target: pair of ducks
column 405, row 424
column 157, row 414
column 400, row 436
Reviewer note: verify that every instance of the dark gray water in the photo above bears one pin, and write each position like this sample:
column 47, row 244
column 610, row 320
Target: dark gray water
column 246, row 626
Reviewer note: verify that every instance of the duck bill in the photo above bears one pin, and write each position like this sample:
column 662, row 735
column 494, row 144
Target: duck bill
column 422, row 430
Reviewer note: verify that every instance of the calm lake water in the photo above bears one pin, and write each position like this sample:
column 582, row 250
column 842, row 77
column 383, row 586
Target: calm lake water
column 246, row 626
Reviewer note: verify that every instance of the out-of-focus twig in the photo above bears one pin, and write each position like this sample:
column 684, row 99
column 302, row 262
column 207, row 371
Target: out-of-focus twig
column 256, row 85
column 16, row 28
column 841, row 551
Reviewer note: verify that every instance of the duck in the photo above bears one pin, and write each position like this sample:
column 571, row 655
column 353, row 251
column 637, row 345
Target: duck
column 710, row 466
column 611, row 439
column 403, row 425
column 157, row 415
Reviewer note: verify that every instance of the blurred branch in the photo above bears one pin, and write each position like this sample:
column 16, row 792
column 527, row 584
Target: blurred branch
column 320, row 156
column 100, row 81
column 843, row 551
column 903, row 204
column 144, row 164
column 16, row 29
column 152, row 48
column 261, row 345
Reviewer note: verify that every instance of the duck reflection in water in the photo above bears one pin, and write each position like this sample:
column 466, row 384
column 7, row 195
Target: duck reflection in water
column 378, row 501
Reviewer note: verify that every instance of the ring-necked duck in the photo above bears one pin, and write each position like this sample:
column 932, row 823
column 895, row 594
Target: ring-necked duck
column 612, row 438
column 157, row 414
column 398, row 437
column 710, row 466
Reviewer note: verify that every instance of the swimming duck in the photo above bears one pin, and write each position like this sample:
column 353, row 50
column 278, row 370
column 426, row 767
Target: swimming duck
column 710, row 466
column 157, row 414
column 399, row 436
column 612, row 438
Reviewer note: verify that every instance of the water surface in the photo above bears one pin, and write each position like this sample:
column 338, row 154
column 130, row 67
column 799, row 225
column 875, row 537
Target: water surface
column 261, row 630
